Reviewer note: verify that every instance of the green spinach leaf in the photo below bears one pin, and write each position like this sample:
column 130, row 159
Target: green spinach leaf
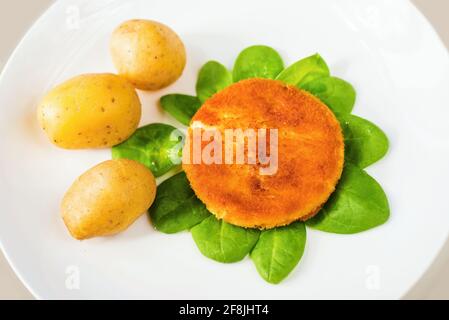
column 257, row 62
column 278, row 251
column 182, row 107
column 336, row 93
column 305, row 70
column 365, row 143
column 222, row 241
column 176, row 208
column 358, row 204
column 158, row 146
column 212, row 78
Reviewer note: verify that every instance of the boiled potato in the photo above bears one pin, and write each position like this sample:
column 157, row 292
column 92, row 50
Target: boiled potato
column 90, row 111
column 147, row 53
column 108, row 198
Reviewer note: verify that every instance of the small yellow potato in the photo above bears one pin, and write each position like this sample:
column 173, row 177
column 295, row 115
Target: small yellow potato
column 108, row 198
column 90, row 111
column 147, row 53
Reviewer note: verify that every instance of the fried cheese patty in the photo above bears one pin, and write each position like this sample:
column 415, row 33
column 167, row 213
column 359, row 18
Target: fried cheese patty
column 310, row 155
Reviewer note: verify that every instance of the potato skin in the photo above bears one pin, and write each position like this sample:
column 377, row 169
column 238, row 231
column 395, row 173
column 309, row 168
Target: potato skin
column 108, row 198
column 147, row 53
column 90, row 111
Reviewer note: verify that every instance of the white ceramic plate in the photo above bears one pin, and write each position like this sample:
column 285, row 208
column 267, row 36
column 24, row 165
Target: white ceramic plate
column 385, row 48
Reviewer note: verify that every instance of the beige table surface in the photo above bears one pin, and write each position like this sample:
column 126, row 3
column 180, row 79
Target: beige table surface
column 16, row 16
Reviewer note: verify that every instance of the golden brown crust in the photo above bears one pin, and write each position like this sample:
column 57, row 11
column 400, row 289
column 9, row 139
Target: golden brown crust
column 311, row 155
